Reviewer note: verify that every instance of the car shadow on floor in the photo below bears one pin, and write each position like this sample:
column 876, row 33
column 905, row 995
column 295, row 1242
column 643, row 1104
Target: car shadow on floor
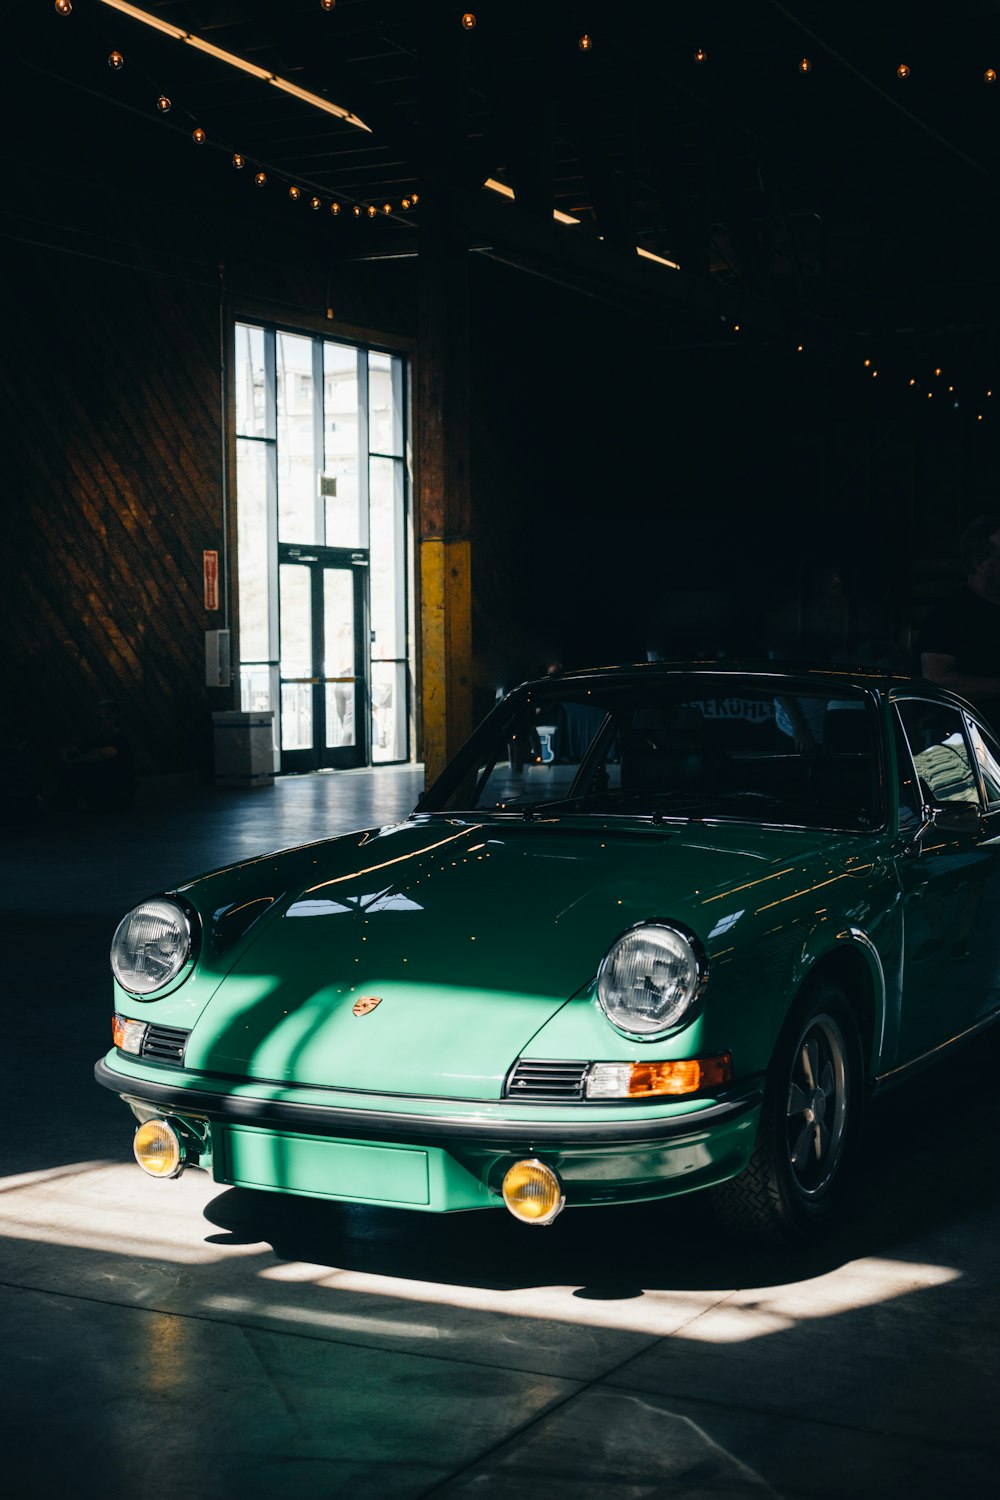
column 927, row 1161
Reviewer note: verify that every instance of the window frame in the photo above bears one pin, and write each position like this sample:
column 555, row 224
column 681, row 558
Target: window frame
column 267, row 436
column 964, row 720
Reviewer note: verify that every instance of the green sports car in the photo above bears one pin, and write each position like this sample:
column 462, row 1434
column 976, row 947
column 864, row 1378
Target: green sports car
column 654, row 929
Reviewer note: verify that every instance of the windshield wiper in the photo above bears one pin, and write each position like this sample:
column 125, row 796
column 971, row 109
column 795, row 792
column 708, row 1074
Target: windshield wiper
column 645, row 803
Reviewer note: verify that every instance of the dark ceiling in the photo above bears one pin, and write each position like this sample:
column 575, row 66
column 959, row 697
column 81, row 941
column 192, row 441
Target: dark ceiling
column 797, row 179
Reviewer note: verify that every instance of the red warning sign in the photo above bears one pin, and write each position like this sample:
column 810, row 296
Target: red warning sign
column 210, row 578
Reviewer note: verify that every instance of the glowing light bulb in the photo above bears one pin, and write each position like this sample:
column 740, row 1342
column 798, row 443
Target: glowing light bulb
column 585, row 43
column 64, row 7
column 387, row 208
column 414, row 198
column 372, row 211
column 867, row 363
column 198, row 136
column 260, row 178
column 315, row 203
column 295, row 193
column 327, row 4
column 335, row 208
column 468, row 21
column 903, row 71
column 799, row 348
column 912, row 380
column 701, row 55
column 116, row 61
column 937, row 370
column 990, row 76
column 163, row 104
column 405, row 203
column 805, row 66
column 239, row 161
column 357, row 210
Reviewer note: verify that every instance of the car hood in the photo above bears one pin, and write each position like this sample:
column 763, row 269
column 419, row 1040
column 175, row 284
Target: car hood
column 470, row 936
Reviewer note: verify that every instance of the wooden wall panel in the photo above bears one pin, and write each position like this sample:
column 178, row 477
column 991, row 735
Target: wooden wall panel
column 110, row 430
column 109, row 387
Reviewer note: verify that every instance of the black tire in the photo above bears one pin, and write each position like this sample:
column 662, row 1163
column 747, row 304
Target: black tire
column 798, row 1178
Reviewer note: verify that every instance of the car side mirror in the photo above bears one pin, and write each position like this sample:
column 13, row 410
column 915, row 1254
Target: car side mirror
column 955, row 817
column 945, row 817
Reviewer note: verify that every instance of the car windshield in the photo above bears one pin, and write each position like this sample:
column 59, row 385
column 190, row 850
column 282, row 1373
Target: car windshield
column 760, row 750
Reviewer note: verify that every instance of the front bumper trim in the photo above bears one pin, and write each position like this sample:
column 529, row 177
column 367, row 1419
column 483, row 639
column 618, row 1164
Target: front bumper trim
column 369, row 1124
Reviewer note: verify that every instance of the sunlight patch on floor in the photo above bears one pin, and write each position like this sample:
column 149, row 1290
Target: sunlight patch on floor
column 751, row 1313
column 110, row 1208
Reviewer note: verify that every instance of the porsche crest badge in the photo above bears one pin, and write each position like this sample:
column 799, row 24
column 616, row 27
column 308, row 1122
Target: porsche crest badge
column 365, row 1004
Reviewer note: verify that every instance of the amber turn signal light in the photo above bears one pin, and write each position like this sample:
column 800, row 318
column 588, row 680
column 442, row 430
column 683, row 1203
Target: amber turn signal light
column 128, row 1036
column 648, row 1079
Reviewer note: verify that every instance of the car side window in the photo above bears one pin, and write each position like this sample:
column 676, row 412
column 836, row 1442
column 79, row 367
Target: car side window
column 987, row 753
column 936, row 736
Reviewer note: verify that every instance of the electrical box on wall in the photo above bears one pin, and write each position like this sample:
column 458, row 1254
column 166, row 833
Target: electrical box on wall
column 218, row 670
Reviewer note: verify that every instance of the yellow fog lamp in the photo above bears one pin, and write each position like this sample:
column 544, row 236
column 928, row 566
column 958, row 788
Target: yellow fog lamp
column 533, row 1192
column 159, row 1149
column 645, row 1080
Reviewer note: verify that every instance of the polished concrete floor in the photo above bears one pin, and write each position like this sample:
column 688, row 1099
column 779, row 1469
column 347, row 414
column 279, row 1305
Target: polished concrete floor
column 189, row 1340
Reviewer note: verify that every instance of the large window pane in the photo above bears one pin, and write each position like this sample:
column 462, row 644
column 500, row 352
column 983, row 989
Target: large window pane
column 341, row 494
column 338, row 655
column 387, row 602
column 296, row 621
column 296, row 716
column 385, row 416
column 255, row 686
column 251, row 390
column 252, row 549
column 297, row 478
column 388, row 711
column 296, row 656
column 340, row 400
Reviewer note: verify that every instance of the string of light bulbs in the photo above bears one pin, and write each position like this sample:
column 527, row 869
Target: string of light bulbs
column 976, row 397
column 468, row 20
column 262, row 173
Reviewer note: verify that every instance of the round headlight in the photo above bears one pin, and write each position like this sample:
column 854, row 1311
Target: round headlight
column 649, row 980
column 151, row 946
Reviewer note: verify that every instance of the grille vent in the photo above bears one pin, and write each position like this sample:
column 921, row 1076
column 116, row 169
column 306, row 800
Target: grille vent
column 532, row 1079
column 164, row 1044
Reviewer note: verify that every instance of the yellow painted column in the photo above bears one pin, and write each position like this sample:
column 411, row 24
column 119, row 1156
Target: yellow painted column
column 446, row 648
column 443, row 427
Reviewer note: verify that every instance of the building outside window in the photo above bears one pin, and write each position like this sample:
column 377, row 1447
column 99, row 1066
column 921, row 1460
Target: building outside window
column 322, row 508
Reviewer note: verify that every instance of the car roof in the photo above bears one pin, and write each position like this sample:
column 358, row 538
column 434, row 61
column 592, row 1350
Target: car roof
column 832, row 674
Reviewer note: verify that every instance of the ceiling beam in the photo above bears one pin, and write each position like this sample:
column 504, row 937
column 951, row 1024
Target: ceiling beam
column 579, row 260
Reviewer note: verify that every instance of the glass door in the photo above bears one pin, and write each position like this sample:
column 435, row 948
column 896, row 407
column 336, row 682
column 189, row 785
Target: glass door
column 325, row 610
column 323, row 666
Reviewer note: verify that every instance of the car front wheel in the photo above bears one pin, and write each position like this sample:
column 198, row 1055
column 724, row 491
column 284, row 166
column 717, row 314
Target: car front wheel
column 796, row 1180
